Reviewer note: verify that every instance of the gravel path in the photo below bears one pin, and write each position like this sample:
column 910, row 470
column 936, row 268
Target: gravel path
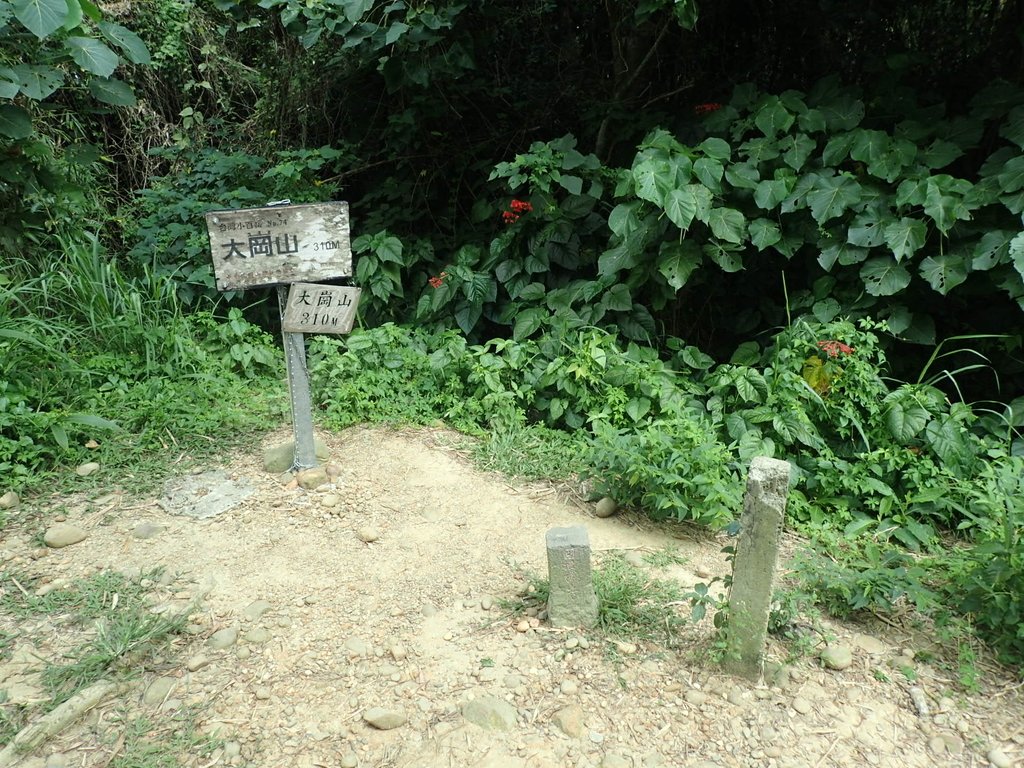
column 360, row 624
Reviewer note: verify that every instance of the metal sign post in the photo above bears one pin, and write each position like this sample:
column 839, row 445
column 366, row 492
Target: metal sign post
column 280, row 244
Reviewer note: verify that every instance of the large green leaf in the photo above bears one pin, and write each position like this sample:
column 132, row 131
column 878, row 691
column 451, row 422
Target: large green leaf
column 869, row 145
column 760, row 150
column 41, row 17
column 944, row 272
column 617, row 298
column 890, row 164
column 743, row 175
column 842, row 113
column 837, row 148
column 710, row 172
column 726, row 257
column 882, row 276
column 680, row 207
column 128, row 42
column 796, row 149
column 940, row 154
column 92, row 55
column 843, row 253
column 773, row 118
column 703, row 198
column 1013, row 128
column 943, row 208
column 770, row 192
column 812, row 121
column 653, row 177
column 677, row 261
column 764, row 233
column 948, row 438
column 15, row 122
column 112, row 91
column 826, row 310
column 905, row 417
column 617, row 258
column 1016, row 250
column 623, row 220
column 8, row 87
column 727, row 224
column 990, row 250
column 831, row 196
column 1011, row 177
column 905, row 237
column 715, row 148
column 37, row 81
column 867, row 230
column 912, row 192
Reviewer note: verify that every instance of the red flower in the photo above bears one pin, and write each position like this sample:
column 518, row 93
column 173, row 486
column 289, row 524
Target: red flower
column 437, row 282
column 518, row 207
column 703, row 109
column 834, row 348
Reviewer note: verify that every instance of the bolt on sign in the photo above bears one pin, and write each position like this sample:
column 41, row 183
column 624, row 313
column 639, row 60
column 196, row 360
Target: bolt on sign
column 314, row 308
column 279, row 244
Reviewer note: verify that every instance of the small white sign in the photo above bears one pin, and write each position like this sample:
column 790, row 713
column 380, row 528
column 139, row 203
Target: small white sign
column 279, row 244
column 314, row 308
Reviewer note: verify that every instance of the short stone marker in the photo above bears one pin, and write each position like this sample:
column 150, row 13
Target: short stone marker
column 754, row 564
column 572, row 601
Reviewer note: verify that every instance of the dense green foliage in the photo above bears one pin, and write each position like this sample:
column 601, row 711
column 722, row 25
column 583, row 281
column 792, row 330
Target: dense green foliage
column 647, row 240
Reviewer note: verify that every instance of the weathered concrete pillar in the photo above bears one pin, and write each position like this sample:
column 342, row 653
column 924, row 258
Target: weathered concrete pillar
column 754, row 564
column 572, row 602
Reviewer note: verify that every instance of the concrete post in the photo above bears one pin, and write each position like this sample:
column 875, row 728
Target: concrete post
column 572, row 601
column 754, row 565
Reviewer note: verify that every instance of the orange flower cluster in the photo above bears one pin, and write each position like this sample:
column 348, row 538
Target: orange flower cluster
column 703, row 109
column 437, row 282
column 519, row 207
column 834, row 348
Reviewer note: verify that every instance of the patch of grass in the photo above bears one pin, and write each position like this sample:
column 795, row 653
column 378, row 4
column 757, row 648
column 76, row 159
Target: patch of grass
column 89, row 598
column 631, row 603
column 6, row 644
column 12, row 720
column 530, row 451
column 146, row 744
column 663, row 558
column 119, row 636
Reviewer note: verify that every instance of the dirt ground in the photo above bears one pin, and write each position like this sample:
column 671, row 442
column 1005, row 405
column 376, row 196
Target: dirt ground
column 379, row 597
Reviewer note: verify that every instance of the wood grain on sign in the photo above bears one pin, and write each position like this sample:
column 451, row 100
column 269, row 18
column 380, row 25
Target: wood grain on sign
column 316, row 308
column 279, row 244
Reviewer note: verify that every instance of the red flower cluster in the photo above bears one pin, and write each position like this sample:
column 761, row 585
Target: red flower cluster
column 834, row 348
column 703, row 109
column 519, row 207
column 437, row 282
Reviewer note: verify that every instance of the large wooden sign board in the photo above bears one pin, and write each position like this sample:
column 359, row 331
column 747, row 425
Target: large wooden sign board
column 279, row 244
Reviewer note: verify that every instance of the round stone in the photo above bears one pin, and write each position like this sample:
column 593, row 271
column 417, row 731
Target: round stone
column 837, row 657
column 801, row 705
column 368, row 534
column 84, row 470
column 63, row 535
column 385, row 719
column 999, row 759
column 606, row 507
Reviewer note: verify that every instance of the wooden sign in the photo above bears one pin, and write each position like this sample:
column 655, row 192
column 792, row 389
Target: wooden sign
column 279, row 244
column 313, row 308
